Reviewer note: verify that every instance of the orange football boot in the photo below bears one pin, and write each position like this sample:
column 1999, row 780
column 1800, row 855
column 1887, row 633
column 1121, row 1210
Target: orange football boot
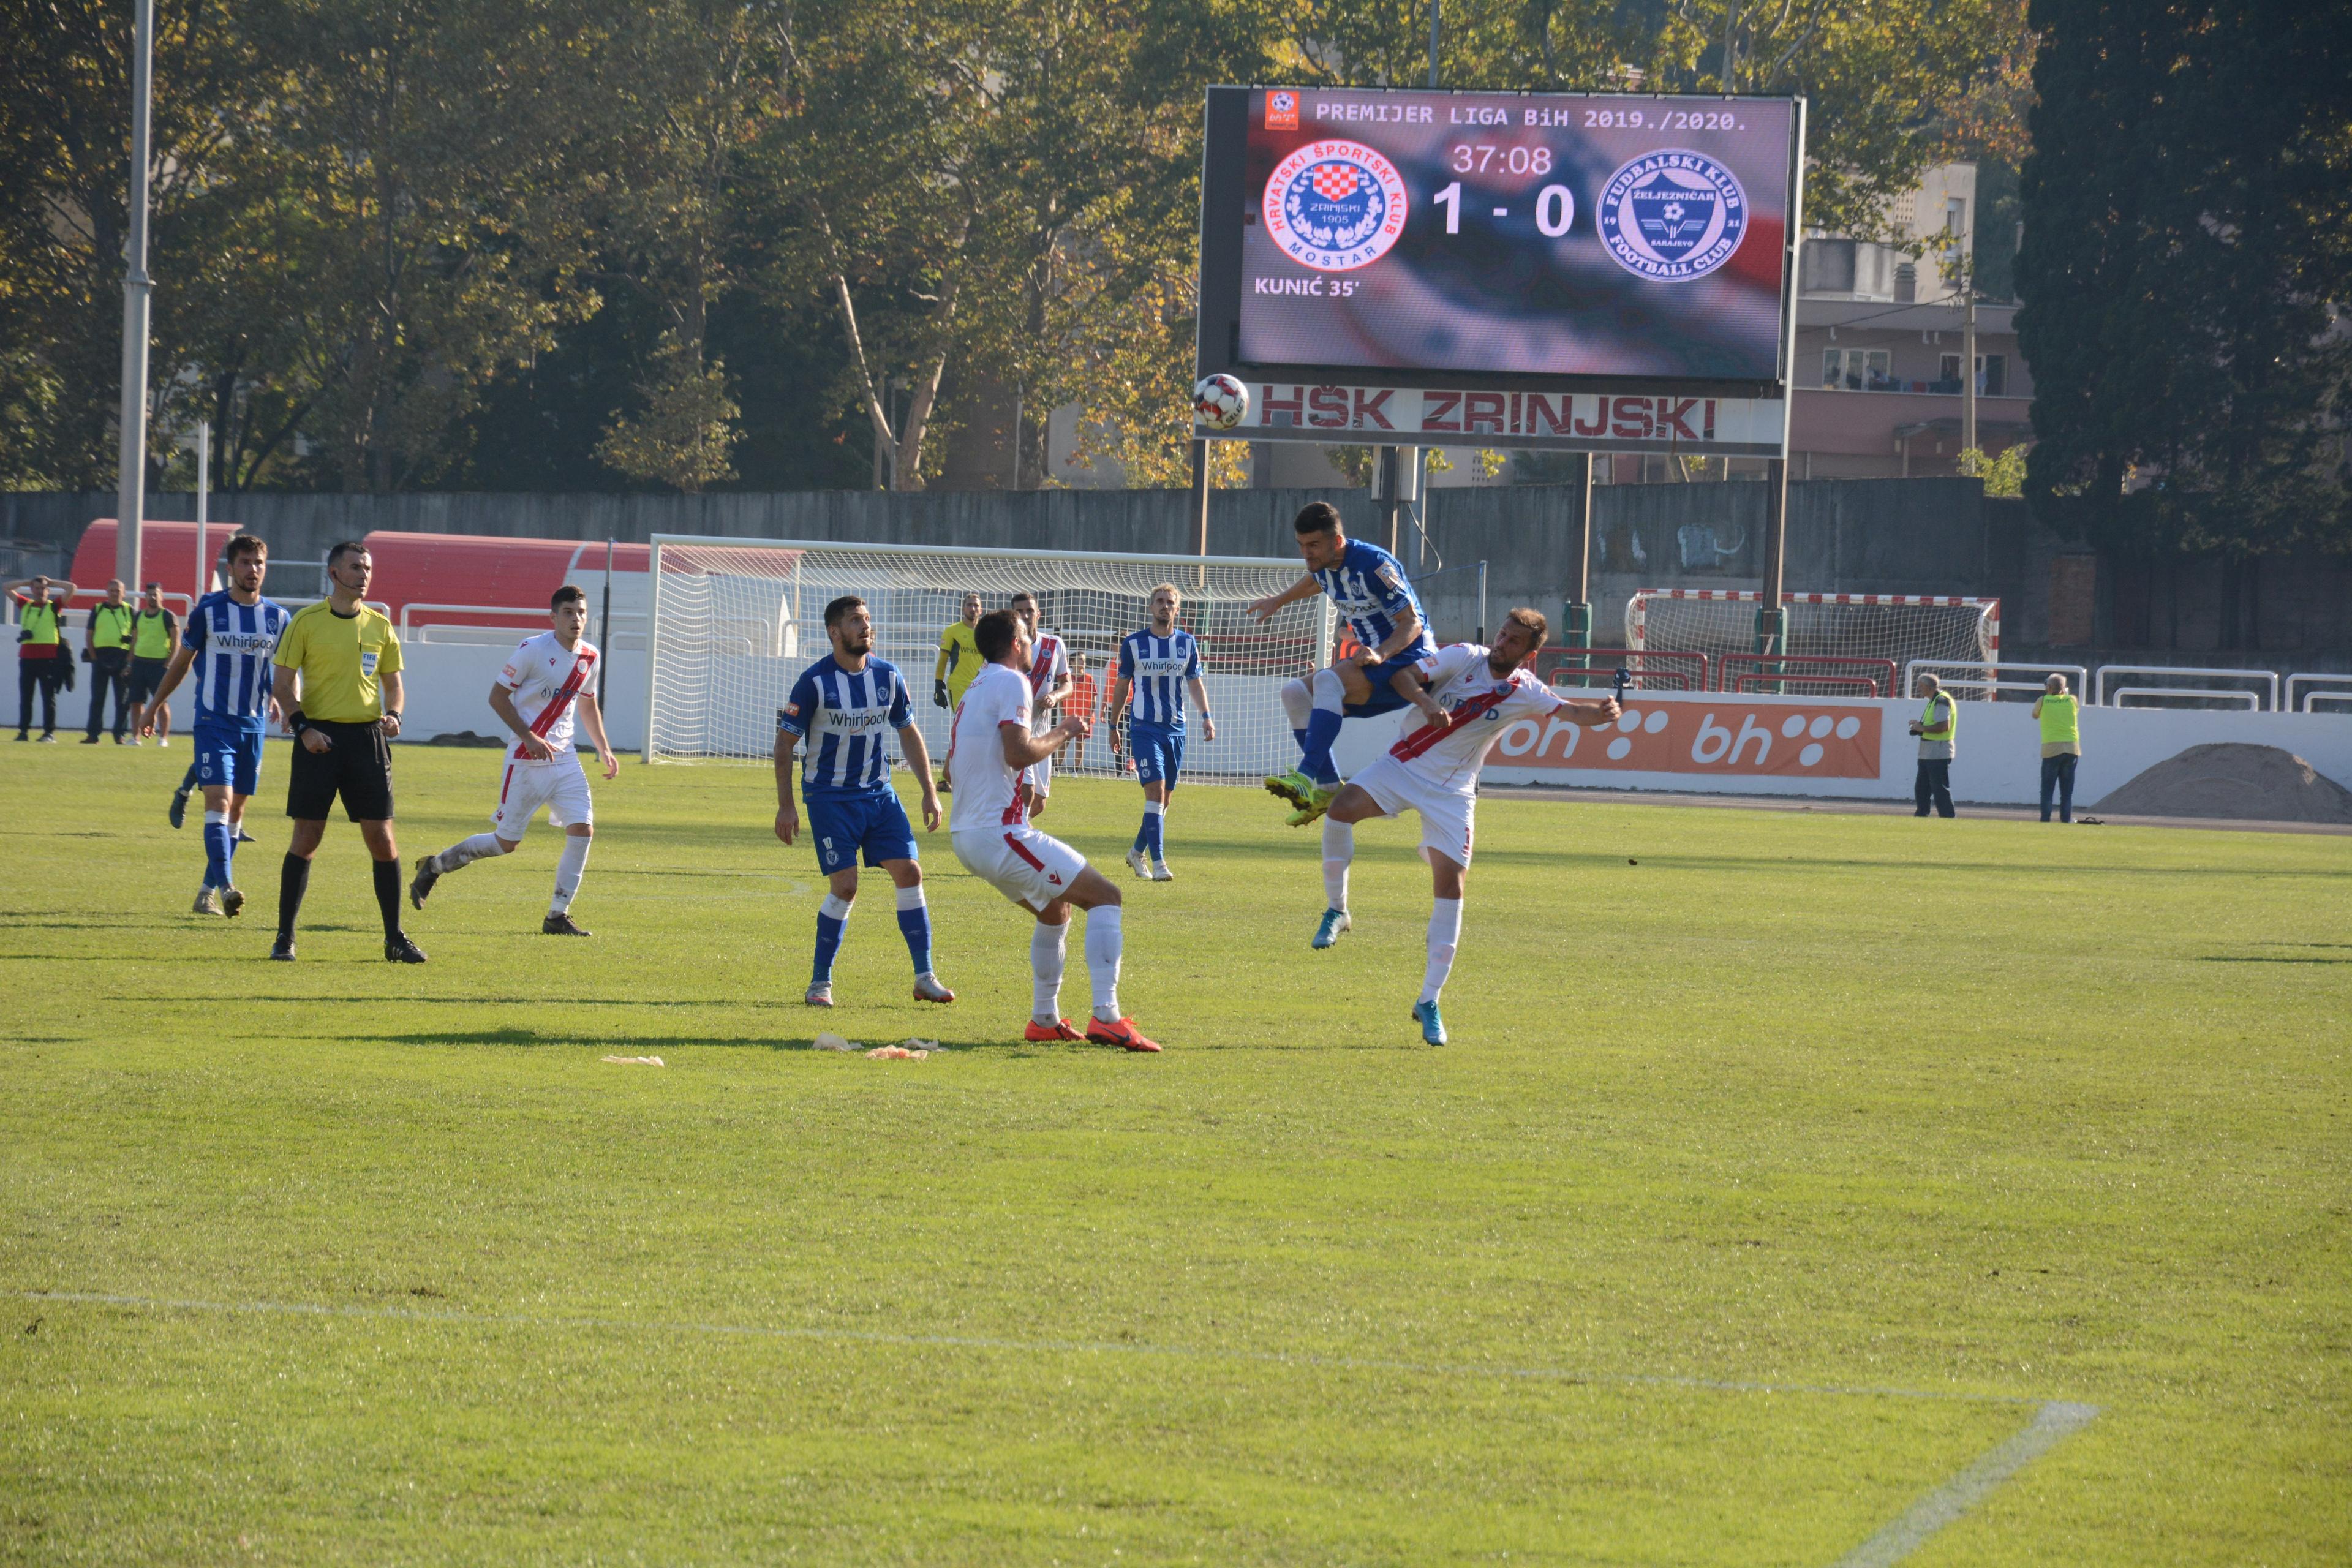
column 1038, row 1034
column 1123, row 1033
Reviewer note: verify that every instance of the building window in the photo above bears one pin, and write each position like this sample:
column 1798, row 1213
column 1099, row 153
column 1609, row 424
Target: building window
column 1992, row 376
column 1858, row 370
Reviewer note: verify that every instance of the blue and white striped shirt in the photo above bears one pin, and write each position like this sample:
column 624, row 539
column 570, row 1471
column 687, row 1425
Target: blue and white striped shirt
column 1371, row 593
column 1158, row 668
column 846, row 718
column 233, row 643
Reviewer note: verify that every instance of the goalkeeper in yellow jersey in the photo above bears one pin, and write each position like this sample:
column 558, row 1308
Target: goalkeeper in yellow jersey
column 960, row 663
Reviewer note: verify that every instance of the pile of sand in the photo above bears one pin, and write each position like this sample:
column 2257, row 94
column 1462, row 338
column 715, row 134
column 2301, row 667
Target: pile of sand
column 2255, row 784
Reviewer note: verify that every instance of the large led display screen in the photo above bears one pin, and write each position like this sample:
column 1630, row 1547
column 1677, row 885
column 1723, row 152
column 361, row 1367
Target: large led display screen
column 1612, row 236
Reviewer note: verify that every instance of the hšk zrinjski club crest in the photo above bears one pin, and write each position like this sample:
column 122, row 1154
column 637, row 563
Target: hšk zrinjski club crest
column 1334, row 206
column 1671, row 215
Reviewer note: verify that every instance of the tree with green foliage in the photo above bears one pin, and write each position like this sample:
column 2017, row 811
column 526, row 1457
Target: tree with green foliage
column 2189, row 245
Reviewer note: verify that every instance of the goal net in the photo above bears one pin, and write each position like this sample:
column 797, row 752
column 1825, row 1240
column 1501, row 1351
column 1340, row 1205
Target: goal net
column 735, row 621
column 1896, row 629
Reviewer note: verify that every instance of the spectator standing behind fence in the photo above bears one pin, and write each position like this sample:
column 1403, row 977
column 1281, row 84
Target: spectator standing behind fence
column 43, row 660
column 2062, row 744
column 154, row 632
column 1937, row 727
column 106, row 645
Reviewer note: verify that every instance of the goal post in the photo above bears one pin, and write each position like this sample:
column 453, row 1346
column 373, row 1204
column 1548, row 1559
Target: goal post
column 1881, row 628
column 735, row 621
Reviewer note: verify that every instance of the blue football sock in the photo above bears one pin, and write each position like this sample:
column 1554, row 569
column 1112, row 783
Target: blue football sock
column 1155, row 830
column 219, row 844
column 1301, row 736
column 830, row 916
column 915, row 925
column 188, row 779
column 1143, row 831
column 1322, row 729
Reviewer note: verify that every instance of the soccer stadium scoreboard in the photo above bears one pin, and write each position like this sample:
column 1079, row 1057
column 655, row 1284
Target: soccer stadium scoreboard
column 1586, row 272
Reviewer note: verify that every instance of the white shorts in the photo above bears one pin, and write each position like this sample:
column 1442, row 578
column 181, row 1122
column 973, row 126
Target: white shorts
column 1041, row 775
column 1029, row 867
column 1447, row 816
column 557, row 784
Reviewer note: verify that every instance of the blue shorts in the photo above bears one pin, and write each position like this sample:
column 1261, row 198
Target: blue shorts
column 1385, row 698
column 1159, row 751
column 871, row 822
column 228, row 754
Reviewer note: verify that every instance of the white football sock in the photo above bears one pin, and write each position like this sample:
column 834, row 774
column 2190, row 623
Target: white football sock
column 1048, row 950
column 466, row 852
column 1103, row 944
column 1298, row 702
column 568, row 868
column 1445, row 933
column 1330, row 695
column 911, row 897
column 1338, row 851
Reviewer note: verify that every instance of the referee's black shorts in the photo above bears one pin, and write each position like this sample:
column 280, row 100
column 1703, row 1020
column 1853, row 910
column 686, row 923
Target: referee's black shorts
column 356, row 765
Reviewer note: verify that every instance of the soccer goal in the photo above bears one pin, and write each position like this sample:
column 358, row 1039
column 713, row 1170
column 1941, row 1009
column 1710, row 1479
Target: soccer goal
column 736, row 620
column 1880, row 628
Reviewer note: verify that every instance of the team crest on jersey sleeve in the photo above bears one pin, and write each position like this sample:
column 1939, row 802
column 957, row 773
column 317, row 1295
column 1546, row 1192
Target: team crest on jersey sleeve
column 1334, row 206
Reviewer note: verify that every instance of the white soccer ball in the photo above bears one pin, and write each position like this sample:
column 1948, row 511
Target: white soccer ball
column 1221, row 401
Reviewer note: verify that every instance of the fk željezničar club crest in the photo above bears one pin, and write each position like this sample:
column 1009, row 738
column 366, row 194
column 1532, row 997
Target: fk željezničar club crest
column 1671, row 215
column 1334, row 206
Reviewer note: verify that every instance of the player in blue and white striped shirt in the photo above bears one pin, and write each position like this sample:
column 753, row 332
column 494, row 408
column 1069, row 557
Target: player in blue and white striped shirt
column 1157, row 664
column 845, row 706
column 228, row 640
column 1369, row 588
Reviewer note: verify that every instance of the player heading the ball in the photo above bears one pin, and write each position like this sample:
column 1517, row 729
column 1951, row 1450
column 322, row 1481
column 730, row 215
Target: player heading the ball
column 1369, row 587
column 1473, row 694
column 550, row 678
column 1158, row 665
column 843, row 706
column 989, row 751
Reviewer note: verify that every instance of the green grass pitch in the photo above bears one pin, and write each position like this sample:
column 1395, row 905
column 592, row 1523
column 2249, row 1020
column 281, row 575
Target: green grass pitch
column 1770, row 1184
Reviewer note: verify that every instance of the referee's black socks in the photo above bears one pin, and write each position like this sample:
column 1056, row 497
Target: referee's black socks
column 387, row 895
column 293, row 881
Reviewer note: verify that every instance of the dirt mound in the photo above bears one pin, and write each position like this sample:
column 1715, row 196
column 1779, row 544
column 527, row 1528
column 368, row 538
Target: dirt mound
column 2253, row 783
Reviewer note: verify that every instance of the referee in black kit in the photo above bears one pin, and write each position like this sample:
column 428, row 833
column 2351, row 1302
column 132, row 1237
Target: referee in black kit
column 338, row 683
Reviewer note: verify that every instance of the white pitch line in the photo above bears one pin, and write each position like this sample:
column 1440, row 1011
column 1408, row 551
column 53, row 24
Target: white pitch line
column 2052, row 1425
column 1029, row 1347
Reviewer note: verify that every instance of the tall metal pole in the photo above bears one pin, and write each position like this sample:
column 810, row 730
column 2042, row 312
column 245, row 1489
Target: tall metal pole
column 131, row 484
column 1435, row 8
column 1968, row 367
column 1771, row 620
column 204, row 490
column 604, row 629
column 1576, row 620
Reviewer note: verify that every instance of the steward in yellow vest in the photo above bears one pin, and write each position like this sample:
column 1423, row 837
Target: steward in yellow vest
column 43, row 663
column 2062, row 745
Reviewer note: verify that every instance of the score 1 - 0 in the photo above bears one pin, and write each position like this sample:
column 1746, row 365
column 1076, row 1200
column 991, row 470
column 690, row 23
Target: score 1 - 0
column 1555, row 209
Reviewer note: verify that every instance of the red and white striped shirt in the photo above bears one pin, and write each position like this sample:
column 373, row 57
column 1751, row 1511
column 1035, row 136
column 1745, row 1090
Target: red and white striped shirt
column 546, row 678
column 1482, row 706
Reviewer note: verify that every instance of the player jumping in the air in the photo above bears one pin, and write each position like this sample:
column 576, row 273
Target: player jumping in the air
column 1049, row 686
column 228, row 639
column 988, row 751
column 1433, row 770
column 1159, row 664
column 1369, row 586
column 842, row 705
column 546, row 680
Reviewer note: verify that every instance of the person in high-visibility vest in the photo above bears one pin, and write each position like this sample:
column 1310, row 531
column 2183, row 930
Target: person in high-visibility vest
column 154, row 632
column 43, row 662
column 1936, row 727
column 2062, row 744
column 106, row 645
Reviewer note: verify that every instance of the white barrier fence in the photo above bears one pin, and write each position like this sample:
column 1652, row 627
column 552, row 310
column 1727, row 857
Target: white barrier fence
column 1860, row 748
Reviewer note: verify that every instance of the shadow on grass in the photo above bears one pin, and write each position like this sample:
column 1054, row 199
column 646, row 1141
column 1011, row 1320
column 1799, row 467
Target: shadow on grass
column 533, row 1039
column 2225, row 958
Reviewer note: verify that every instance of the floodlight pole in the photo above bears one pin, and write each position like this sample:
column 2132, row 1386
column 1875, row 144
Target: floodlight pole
column 1200, row 497
column 203, row 488
column 1435, row 8
column 1576, row 615
column 131, row 482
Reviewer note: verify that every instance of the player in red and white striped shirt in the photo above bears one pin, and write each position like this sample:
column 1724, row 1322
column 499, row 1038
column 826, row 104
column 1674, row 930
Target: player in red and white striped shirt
column 1472, row 695
column 546, row 679
column 1049, row 686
